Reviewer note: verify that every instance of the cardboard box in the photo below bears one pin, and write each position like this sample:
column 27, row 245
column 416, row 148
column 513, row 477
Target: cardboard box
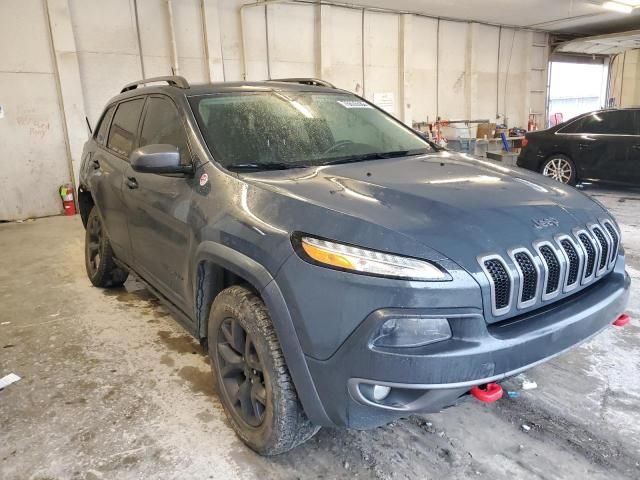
column 486, row 129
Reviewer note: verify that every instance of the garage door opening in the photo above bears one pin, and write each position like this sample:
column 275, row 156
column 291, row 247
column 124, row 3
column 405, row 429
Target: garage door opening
column 576, row 88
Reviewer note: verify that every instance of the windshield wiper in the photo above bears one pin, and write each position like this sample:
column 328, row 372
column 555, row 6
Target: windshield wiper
column 374, row 156
column 263, row 166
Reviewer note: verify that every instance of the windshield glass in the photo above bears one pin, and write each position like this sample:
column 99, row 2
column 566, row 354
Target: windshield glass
column 290, row 129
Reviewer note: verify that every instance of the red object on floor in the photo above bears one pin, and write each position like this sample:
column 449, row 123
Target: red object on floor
column 491, row 392
column 622, row 320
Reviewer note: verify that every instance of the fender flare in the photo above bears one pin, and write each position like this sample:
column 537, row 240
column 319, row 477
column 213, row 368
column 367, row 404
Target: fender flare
column 264, row 283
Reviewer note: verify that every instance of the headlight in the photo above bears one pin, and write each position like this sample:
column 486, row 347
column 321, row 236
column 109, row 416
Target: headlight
column 369, row 262
column 412, row 332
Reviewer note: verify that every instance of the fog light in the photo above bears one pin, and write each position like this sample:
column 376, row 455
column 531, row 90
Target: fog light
column 380, row 392
column 412, row 332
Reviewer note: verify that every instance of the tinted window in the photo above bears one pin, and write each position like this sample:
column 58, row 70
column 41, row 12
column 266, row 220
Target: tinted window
column 162, row 124
column 574, row 127
column 101, row 134
column 122, row 134
column 621, row 122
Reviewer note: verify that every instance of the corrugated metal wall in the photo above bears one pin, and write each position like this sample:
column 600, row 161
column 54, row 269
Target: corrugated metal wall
column 624, row 79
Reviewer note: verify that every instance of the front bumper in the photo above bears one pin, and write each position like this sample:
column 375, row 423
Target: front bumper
column 430, row 378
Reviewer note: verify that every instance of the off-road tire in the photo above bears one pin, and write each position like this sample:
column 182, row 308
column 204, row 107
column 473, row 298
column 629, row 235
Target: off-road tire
column 285, row 424
column 104, row 272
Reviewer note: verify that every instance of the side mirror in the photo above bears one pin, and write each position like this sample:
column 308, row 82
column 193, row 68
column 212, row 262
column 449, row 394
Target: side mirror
column 158, row 158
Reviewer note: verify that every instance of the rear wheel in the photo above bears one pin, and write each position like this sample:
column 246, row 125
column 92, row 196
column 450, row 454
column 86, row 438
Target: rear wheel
column 98, row 255
column 254, row 384
column 560, row 168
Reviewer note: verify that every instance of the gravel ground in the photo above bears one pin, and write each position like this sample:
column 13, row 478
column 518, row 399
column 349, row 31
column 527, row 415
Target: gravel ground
column 114, row 388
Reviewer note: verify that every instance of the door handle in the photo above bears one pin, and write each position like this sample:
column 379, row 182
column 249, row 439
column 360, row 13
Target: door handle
column 132, row 183
column 636, row 147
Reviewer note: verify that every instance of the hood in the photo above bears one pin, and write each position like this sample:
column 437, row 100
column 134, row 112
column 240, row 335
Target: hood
column 458, row 205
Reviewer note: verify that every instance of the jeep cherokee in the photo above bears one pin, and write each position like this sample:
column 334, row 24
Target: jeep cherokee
column 340, row 269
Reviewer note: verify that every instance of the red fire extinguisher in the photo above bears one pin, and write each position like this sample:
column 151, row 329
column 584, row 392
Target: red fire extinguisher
column 69, row 205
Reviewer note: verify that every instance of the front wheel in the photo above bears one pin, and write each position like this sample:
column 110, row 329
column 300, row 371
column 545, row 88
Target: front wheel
column 253, row 380
column 561, row 168
column 98, row 255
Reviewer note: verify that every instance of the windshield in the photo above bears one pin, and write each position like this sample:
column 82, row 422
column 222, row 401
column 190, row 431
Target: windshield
column 256, row 130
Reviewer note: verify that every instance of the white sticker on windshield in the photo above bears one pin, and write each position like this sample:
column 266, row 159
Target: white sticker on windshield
column 354, row 104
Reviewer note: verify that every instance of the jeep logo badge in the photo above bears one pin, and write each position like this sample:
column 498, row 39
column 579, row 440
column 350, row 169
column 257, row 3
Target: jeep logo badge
column 541, row 223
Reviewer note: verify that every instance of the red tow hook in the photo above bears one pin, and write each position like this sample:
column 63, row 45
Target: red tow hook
column 622, row 320
column 489, row 393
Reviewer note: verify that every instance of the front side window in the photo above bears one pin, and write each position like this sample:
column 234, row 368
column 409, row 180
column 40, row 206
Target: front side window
column 289, row 129
column 162, row 124
column 122, row 133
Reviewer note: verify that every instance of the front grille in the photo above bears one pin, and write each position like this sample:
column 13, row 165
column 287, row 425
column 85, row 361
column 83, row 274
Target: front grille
column 529, row 276
column 615, row 238
column 574, row 262
column 501, row 283
column 553, row 269
column 604, row 247
column 591, row 254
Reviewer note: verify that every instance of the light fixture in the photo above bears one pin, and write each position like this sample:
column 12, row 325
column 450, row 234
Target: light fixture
column 617, row 7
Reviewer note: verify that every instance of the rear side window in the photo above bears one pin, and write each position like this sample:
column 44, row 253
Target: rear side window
column 621, row 122
column 162, row 124
column 101, row 134
column 122, row 133
column 574, row 127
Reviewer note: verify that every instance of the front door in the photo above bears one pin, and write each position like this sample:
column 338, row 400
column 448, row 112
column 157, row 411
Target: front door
column 112, row 161
column 159, row 207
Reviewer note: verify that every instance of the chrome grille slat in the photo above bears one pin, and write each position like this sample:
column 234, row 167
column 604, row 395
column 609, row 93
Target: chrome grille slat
column 501, row 281
column 604, row 247
column 574, row 257
column 591, row 256
column 528, row 276
column 570, row 261
column 615, row 239
column 553, row 265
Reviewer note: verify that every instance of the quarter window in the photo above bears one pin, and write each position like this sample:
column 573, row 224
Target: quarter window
column 122, row 133
column 162, row 124
column 101, row 134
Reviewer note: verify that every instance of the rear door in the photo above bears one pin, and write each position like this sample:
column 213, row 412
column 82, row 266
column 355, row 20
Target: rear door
column 601, row 147
column 628, row 170
column 111, row 160
column 159, row 206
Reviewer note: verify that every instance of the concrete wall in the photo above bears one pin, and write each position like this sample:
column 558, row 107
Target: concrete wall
column 33, row 151
column 624, row 79
column 74, row 55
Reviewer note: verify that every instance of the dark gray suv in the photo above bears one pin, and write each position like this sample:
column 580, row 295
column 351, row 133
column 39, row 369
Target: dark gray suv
column 340, row 269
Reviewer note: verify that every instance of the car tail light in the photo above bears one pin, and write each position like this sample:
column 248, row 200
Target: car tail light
column 525, row 142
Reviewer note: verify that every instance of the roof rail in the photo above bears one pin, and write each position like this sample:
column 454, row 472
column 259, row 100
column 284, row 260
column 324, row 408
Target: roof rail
column 316, row 82
column 173, row 80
